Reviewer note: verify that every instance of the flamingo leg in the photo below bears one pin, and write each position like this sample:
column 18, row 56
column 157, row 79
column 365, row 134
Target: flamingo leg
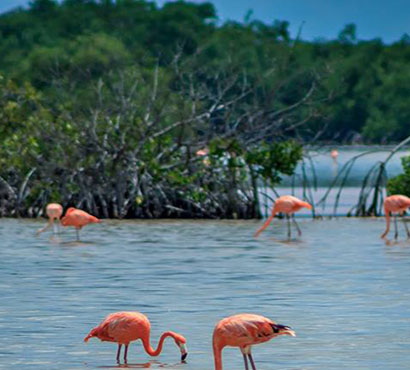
column 55, row 230
column 125, row 353
column 396, row 232
column 119, row 352
column 296, row 224
column 289, row 231
column 252, row 363
column 78, row 234
column 245, row 359
column 405, row 226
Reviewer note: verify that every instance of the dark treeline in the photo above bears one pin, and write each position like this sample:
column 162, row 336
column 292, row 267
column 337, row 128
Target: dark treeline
column 104, row 105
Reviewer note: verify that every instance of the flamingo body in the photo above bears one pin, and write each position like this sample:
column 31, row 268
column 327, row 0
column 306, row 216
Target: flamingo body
column 334, row 154
column 202, row 152
column 395, row 204
column 126, row 327
column 54, row 212
column 244, row 331
column 78, row 219
column 287, row 204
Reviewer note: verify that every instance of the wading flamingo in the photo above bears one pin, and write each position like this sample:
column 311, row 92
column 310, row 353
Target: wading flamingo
column 395, row 204
column 287, row 204
column 243, row 331
column 78, row 218
column 54, row 212
column 125, row 327
column 334, row 154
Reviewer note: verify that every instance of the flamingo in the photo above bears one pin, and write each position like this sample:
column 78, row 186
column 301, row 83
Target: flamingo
column 244, row 331
column 334, row 154
column 395, row 204
column 78, row 218
column 287, row 204
column 202, row 152
column 54, row 212
column 125, row 327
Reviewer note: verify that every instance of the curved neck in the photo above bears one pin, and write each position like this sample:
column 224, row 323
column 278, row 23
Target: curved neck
column 217, row 357
column 266, row 224
column 387, row 220
column 387, row 214
column 147, row 345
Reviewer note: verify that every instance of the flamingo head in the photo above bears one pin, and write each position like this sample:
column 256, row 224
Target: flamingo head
column 180, row 341
column 283, row 330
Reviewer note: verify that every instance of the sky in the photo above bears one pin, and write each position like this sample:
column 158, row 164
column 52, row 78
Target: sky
column 385, row 19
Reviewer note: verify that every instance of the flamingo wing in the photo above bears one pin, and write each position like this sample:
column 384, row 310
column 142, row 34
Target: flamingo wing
column 121, row 327
column 399, row 203
column 248, row 327
column 125, row 327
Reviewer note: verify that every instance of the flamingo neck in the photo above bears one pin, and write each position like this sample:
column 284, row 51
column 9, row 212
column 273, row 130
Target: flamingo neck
column 147, row 345
column 387, row 215
column 266, row 224
column 217, row 357
column 387, row 220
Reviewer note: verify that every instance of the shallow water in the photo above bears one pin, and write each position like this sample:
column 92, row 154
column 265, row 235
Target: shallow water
column 344, row 291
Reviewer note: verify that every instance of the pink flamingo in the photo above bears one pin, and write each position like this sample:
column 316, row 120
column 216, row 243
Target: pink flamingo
column 287, row 204
column 54, row 212
column 244, row 331
column 334, row 154
column 125, row 327
column 202, row 152
column 395, row 204
column 78, row 218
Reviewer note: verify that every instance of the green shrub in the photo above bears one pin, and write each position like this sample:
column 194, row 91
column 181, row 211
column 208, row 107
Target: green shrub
column 401, row 183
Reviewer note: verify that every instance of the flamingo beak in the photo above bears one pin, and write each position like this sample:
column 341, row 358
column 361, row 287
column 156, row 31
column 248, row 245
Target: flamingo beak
column 184, row 352
column 283, row 330
column 290, row 332
column 287, row 331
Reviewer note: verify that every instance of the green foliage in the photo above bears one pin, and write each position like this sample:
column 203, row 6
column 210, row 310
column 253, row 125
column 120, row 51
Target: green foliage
column 389, row 113
column 80, row 41
column 106, row 103
column 272, row 159
column 401, row 183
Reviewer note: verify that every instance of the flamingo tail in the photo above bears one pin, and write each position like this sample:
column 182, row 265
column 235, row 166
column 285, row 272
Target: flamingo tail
column 265, row 225
column 96, row 220
column 306, row 205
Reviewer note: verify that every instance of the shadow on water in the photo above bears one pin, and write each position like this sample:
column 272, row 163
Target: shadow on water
column 127, row 366
column 144, row 365
column 75, row 243
column 289, row 242
column 57, row 240
column 396, row 242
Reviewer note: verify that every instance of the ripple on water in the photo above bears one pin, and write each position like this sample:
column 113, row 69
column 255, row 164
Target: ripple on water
column 344, row 291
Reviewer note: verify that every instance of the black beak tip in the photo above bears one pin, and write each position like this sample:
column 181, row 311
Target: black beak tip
column 184, row 356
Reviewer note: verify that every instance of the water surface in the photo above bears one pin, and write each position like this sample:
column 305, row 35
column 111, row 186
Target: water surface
column 344, row 291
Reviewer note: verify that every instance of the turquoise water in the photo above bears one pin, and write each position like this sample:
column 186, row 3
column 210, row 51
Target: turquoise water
column 344, row 291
